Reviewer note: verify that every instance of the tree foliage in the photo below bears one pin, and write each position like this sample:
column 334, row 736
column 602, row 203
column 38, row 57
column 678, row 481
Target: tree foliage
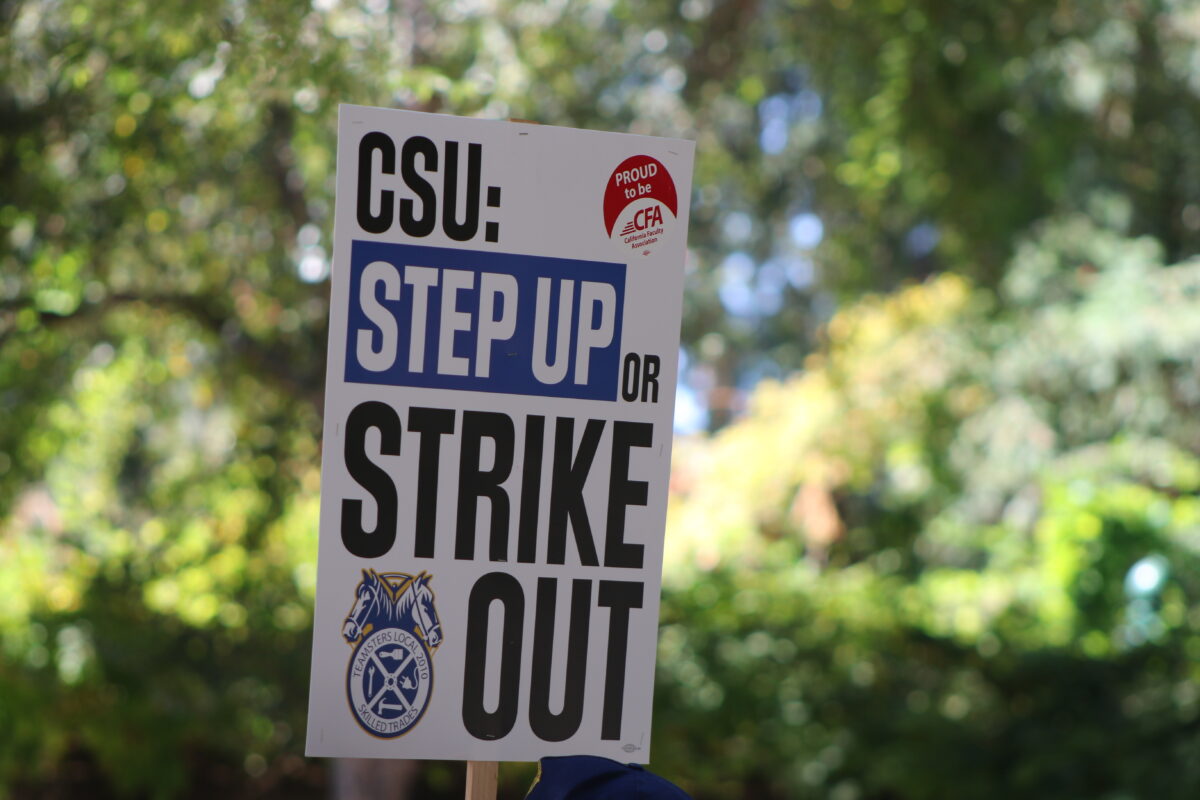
column 958, row 555
column 901, row 575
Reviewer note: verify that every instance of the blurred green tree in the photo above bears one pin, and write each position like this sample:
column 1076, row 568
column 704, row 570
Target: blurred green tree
column 164, row 227
column 958, row 555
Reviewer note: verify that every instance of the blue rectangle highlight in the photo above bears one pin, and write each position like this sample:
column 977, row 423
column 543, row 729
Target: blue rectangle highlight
column 393, row 285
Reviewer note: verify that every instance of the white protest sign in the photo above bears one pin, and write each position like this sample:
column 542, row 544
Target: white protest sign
column 504, row 331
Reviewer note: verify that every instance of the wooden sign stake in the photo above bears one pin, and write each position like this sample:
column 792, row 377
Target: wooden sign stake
column 481, row 780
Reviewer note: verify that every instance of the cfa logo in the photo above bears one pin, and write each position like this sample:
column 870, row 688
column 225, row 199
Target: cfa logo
column 393, row 625
column 644, row 218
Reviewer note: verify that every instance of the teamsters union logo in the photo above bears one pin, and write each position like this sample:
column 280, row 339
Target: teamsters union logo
column 393, row 628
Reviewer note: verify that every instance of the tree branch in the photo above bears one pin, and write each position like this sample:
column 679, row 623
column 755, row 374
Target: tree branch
column 273, row 361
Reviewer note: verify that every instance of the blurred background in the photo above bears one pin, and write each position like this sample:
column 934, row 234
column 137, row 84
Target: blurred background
column 935, row 517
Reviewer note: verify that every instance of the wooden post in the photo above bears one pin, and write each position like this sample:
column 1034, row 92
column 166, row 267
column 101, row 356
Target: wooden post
column 481, row 780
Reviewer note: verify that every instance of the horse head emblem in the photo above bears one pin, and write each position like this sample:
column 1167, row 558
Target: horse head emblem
column 429, row 625
column 394, row 628
column 393, row 599
column 366, row 600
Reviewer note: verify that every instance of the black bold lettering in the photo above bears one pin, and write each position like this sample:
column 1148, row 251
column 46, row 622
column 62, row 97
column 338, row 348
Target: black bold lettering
column 478, row 721
column 431, row 424
column 623, row 492
column 650, row 378
column 382, row 417
column 631, row 375
column 619, row 597
column 418, row 146
column 566, row 491
column 475, row 482
column 461, row 231
column 531, row 489
column 548, row 726
column 371, row 143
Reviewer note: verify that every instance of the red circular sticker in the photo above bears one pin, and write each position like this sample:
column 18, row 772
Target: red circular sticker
column 639, row 193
